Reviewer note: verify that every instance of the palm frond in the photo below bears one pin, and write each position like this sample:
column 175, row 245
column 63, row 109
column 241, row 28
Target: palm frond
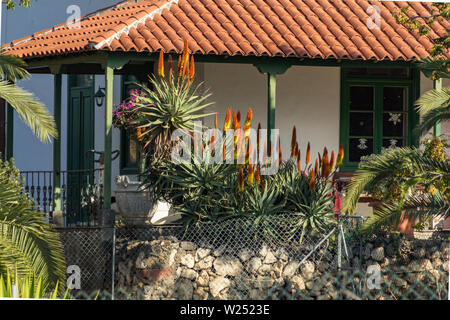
column 433, row 99
column 27, row 244
column 33, row 112
column 12, row 68
column 430, row 119
column 376, row 168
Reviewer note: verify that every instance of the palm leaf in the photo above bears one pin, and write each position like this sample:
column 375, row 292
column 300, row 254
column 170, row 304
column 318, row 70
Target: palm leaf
column 33, row 112
column 27, row 244
column 12, row 68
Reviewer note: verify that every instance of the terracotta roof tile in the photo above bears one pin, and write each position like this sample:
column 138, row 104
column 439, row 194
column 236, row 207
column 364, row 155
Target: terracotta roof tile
column 288, row 28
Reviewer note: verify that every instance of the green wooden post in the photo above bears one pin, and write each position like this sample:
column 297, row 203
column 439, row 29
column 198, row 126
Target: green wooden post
column 271, row 68
column 437, row 85
column 9, row 132
column 271, row 103
column 57, row 83
column 109, row 81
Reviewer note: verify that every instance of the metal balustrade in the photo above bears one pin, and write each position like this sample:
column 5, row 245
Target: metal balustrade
column 80, row 194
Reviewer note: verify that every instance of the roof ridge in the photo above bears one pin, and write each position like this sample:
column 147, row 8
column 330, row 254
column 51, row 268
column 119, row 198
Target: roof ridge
column 126, row 29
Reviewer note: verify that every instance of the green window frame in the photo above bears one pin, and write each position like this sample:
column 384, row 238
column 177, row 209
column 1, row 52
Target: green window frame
column 129, row 153
column 378, row 83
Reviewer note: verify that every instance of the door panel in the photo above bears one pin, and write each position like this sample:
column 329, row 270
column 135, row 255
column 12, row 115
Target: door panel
column 80, row 140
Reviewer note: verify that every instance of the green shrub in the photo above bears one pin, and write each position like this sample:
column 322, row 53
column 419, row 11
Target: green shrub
column 27, row 243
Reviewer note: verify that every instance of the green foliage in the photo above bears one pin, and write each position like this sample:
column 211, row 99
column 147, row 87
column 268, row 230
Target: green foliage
column 32, row 112
column 437, row 65
column 208, row 192
column 11, row 4
column 27, row 243
column 28, row 288
column 433, row 107
column 405, row 179
column 164, row 108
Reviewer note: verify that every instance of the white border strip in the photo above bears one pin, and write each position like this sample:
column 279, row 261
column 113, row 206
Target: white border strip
column 126, row 29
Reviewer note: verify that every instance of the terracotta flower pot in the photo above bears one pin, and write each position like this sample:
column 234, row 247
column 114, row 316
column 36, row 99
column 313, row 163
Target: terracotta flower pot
column 406, row 223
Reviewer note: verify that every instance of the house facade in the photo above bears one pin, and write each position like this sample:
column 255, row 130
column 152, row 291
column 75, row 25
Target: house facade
column 321, row 65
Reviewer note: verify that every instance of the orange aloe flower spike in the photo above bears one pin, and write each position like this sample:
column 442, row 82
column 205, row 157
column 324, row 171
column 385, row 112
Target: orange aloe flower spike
column 192, row 69
column 293, row 141
column 312, row 181
column 179, row 66
column 238, row 116
column 263, row 185
column 299, row 162
column 258, row 174
column 340, row 156
column 251, row 174
column 161, row 64
column 316, row 167
column 235, row 122
column 308, row 154
column 215, row 122
column 280, row 153
column 241, row 180
column 170, row 68
column 332, row 161
column 248, row 120
column 325, row 166
column 227, row 123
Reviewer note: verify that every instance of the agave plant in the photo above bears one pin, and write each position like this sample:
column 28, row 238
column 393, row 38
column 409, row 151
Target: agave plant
column 169, row 105
column 27, row 243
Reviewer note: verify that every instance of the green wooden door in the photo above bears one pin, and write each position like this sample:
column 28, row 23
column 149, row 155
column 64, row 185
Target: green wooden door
column 80, row 140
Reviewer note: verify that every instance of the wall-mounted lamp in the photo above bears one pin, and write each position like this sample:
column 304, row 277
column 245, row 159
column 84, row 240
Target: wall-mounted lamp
column 100, row 96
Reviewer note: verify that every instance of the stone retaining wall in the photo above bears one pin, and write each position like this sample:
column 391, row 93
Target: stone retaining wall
column 170, row 269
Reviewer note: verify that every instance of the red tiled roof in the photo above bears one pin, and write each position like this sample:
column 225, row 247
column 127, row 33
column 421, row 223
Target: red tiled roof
column 287, row 28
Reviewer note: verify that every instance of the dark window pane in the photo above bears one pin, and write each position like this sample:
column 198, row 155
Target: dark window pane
column 394, row 124
column 357, row 72
column 385, row 72
column 359, row 147
column 361, row 98
column 400, row 72
column 394, row 98
column 83, row 80
column 361, row 124
column 392, row 143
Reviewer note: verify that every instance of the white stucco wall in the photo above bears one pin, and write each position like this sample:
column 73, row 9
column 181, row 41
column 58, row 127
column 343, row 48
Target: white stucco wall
column 307, row 97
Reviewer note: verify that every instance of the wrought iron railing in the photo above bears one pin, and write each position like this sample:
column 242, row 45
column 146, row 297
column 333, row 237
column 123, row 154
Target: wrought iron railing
column 78, row 197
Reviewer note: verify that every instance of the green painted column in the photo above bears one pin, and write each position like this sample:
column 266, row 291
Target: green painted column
column 9, row 132
column 109, row 82
column 271, row 102
column 437, row 84
column 271, row 69
column 57, row 84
